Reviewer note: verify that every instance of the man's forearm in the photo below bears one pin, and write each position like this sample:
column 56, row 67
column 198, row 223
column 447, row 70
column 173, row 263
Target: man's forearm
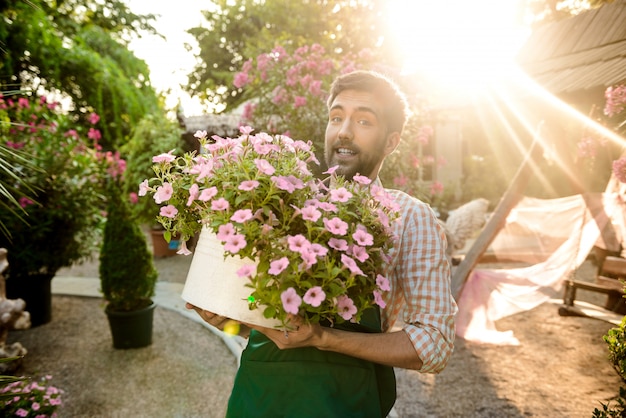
column 392, row 349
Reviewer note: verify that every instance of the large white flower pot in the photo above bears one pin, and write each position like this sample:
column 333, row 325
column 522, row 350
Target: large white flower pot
column 212, row 283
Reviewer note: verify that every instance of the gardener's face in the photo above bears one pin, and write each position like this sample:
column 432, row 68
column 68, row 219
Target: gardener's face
column 357, row 140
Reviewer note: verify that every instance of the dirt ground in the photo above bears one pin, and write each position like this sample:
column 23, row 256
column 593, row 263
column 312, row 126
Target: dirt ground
column 560, row 369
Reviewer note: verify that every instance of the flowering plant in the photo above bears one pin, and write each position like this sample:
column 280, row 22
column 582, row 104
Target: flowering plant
column 287, row 93
column 62, row 210
column 320, row 250
column 27, row 398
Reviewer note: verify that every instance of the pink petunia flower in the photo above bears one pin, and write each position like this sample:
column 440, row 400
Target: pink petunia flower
column 318, row 249
column 183, row 250
column 336, row 226
column 314, row 296
column 168, row 211
column 241, row 216
column 234, row 243
column 351, row 265
column 309, row 257
column 291, row 301
column 208, row 194
column 220, row 204
column 328, row 207
column 310, row 213
column 277, row 266
column 298, row 243
column 248, row 185
column 331, row 170
column 382, row 282
column 378, row 299
column 164, row 158
column 362, row 237
column 247, row 270
column 225, row 231
column 338, row 244
column 163, row 193
column 360, row 253
column 194, row 193
column 264, row 166
column 362, row 179
column 346, row 307
column 340, row 195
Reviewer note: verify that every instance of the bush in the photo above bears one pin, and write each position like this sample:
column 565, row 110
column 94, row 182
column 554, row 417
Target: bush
column 127, row 273
column 155, row 134
column 616, row 340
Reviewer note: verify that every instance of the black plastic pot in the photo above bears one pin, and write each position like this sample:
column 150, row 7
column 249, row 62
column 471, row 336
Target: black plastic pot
column 131, row 329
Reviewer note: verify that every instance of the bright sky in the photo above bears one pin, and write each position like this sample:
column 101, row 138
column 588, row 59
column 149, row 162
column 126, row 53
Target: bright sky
column 469, row 44
column 168, row 59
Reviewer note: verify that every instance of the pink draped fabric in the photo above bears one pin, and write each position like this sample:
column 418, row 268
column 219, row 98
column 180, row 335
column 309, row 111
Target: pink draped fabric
column 561, row 233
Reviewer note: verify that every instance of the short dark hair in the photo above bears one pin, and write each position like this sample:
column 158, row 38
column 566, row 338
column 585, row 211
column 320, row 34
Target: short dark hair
column 396, row 105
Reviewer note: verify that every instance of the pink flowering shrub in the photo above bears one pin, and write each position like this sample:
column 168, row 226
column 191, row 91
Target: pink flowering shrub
column 320, row 249
column 287, row 94
column 62, row 210
column 27, row 398
column 614, row 108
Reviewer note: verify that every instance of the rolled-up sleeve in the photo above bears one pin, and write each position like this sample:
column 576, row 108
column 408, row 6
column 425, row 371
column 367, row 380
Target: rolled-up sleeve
column 420, row 296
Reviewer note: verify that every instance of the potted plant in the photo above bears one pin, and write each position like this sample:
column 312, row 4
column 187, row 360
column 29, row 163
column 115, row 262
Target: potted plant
column 60, row 223
column 154, row 133
column 299, row 245
column 127, row 274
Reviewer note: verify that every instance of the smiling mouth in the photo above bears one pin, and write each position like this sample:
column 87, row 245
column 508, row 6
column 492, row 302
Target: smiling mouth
column 345, row 151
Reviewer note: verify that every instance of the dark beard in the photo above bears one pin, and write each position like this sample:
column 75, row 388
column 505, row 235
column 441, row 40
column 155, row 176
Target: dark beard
column 363, row 168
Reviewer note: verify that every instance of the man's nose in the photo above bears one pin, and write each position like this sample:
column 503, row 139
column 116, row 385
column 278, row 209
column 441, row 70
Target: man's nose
column 345, row 131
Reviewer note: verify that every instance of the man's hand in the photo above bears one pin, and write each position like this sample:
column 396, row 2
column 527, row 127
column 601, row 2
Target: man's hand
column 296, row 334
column 229, row 326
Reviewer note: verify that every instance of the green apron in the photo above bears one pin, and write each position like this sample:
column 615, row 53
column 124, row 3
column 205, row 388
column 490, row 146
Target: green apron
column 307, row 382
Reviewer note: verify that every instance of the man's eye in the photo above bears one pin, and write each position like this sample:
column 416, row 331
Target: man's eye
column 335, row 119
column 364, row 122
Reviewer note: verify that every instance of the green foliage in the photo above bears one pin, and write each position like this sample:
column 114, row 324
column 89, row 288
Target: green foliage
column 613, row 411
column 616, row 341
column 127, row 273
column 238, row 30
column 61, row 217
column 153, row 135
column 79, row 49
column 13, row 186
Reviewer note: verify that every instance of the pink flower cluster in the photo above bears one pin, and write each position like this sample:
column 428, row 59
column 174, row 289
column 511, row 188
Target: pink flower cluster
column 30, row 398
column 320, row 249
column 619, row 169
column 615, row 100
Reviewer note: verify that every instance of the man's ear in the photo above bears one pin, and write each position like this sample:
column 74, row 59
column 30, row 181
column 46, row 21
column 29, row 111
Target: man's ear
column 393, row 140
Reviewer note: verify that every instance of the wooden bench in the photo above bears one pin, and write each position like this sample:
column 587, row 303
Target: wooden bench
column 608, row 281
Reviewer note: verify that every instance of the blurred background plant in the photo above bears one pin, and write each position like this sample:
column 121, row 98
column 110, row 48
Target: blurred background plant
column 153, row 135
column 62, row 210
column 286, row 92
column 23, row 397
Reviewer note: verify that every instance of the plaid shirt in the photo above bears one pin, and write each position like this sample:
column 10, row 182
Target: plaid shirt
column 420, row 295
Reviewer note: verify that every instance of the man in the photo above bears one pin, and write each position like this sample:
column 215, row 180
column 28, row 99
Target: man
column 322, row 371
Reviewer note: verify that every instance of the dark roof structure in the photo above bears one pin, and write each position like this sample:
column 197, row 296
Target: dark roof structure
column 582, row 53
